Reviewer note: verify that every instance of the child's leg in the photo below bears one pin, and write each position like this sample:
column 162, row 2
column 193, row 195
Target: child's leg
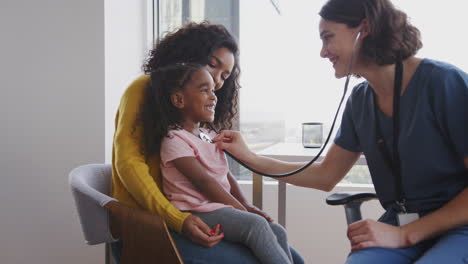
column 282, row 237
column 250, row 229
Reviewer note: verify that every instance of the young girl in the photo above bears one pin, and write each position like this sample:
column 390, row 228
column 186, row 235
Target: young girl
column 196, row 178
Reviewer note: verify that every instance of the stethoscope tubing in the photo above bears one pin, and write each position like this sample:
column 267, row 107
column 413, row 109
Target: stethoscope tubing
column 329, row 133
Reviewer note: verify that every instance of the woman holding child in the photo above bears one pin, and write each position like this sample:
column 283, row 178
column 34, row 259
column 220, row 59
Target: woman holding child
column 137, row 180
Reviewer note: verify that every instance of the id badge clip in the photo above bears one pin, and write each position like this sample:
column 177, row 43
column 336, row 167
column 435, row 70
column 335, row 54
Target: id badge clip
column 404, row 217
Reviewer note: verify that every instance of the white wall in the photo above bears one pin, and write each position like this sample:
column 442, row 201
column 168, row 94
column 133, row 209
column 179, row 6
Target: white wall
column 126, row 48
column 52, row 119
column 62, row 62
column 315, row 229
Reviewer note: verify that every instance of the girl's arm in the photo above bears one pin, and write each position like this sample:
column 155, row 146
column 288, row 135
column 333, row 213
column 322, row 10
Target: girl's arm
column 235, row 189
column 237, row 193
column 195, row 172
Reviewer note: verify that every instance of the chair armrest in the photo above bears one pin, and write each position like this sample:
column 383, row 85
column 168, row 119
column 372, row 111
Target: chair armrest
column 344, row 198
column 145, row 236
column 352, row 203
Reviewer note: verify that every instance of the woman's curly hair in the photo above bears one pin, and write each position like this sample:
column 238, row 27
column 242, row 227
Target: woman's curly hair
column 391, row 36
column 192, row 43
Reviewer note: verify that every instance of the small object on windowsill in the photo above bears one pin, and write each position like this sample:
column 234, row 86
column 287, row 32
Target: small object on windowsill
column 312, row 135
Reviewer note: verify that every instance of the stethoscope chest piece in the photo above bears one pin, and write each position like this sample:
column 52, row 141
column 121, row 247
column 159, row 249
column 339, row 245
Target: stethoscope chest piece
column 205, row 137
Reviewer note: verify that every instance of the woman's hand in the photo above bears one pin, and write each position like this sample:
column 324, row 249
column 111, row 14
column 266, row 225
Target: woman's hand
column 253, row 209
column 199, row 232
column 370, row 233
column 233, row 142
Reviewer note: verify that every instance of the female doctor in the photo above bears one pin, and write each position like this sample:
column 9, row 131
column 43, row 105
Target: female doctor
column 409, row 118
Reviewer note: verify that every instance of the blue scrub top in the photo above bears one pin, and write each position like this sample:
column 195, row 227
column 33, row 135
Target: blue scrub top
column 432, row 141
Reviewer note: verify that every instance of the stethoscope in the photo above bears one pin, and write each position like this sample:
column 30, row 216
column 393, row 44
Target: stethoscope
column 206, row 138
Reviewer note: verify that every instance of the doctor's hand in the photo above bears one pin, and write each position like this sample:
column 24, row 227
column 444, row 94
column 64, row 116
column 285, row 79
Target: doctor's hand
column 370, row 233
column 199, row 232
column 233, row 142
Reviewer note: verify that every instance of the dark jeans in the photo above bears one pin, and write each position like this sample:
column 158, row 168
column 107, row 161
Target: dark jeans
column 449, row 247
column 224, row 252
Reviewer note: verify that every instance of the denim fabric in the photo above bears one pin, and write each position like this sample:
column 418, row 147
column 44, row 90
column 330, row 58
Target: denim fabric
column 224, row 252
column 451, row 247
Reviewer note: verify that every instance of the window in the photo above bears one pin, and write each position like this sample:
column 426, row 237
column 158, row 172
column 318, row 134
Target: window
column 284, row 80
column 171, row 14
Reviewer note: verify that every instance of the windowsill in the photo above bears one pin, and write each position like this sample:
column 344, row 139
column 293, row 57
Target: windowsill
column 339, row 185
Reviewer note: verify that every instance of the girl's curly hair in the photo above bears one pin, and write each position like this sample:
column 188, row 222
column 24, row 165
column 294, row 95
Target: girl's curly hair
column 391, row 36
column 157, row 114
column 192, row 43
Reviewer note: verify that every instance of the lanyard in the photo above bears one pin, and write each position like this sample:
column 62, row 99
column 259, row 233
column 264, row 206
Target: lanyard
column 393, row 163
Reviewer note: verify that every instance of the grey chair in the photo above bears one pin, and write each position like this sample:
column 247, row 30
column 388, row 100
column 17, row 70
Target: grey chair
column 352, row 203
column 90, row 186
column 103, row 219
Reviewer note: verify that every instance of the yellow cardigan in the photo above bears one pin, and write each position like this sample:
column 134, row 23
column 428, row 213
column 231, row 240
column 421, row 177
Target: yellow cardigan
column 137, row 183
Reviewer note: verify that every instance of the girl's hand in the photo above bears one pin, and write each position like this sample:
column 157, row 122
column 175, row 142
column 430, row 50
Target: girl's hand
column 369, row 233
column 252, row 209
column 215, row 230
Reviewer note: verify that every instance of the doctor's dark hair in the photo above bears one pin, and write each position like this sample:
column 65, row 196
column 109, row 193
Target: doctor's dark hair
column 194, row 43
column 157, row 113
column 391, row 36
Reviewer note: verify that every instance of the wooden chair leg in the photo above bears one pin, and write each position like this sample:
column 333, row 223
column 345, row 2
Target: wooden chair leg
column 107, row 252
column 145, row 237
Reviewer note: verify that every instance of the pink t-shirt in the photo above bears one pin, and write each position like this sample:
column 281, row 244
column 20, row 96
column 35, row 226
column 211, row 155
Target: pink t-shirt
column 177, row 187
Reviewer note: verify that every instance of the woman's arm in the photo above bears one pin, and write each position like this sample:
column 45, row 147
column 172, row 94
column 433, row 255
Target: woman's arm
column 323, row 176
column 370, row 233
column 191, row 168
column 326, row 174
column 451, row 215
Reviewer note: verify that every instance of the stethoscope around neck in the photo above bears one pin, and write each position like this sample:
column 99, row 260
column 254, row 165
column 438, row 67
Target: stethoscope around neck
column 348, row 76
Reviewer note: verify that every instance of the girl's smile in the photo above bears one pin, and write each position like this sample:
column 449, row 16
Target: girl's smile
column 197, row 99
